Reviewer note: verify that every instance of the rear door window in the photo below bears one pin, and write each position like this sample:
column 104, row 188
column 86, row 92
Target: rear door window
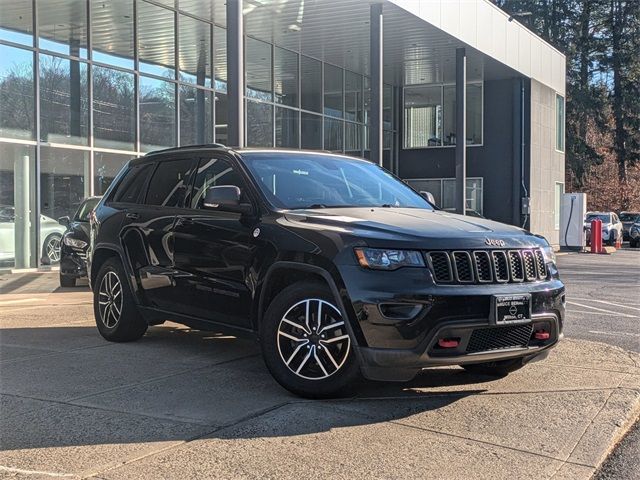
column 131, row 188
column 169, row 183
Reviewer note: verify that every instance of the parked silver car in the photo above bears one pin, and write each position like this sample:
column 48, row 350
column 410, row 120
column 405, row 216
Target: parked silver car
column 611, row 226
column 50, row 235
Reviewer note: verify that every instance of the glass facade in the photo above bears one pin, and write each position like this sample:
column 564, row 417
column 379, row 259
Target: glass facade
column 94, row 84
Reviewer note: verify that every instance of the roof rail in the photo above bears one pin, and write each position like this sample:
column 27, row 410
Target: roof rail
column 185, row 147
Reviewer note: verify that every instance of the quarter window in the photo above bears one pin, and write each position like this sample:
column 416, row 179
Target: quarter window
column 559, row 123
column 169, row 183
column 213, row 172
column 132, row 184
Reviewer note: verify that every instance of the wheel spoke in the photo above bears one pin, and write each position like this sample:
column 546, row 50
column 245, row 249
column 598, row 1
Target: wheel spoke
column 295, row 352
column 104, row 303
column 305, row 359
column 306, row 315
column 319, row 316
column 333, row 360
column 291, row 337
column 315, row 356
column 336, row 339
column 329, row 327
column 296, row 325
column 115, row 307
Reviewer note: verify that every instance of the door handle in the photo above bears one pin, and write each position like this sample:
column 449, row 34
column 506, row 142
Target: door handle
column 184, row 221
column 133, row 216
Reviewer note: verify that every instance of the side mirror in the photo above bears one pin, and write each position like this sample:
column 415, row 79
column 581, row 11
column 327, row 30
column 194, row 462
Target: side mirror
column 428, row 197
column 64, row 221
column 225, row 198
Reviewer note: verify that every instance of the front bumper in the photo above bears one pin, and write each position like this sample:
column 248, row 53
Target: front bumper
column 73, row 263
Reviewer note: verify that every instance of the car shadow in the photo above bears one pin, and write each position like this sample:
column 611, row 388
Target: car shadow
column 66, row 386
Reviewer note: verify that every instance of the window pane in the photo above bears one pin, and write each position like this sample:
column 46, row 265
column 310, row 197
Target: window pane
column 17, row 206
column 213, row 172
column 311, row 82
column 156, row 40
column 157, row 114
column 449, row 115
column 16, row 21
column 114, row 117
column 64, row 107
column 195, row 51
column 367, row 99
column 333, row 134
column 258, row 67
column 64, row 181
column 131, row 188
column 195, row 116
column 169, row 183
column 112, row 32
column 352, row 137
column 220, row 57
column 474, row 114
column 311, row 131
column 560, row 123
column 259, row 125
column 353, row 96
column 221, row 117
column 285, row 73
column 198, row 8
column 106, row 166
column 286, row 127
column 16, row 93
column 387, row 109
column 63, row 27
column 332, row 90
column 474, row 194
column 423, row 116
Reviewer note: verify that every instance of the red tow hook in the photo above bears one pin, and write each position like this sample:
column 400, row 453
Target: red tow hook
column 542, row 335
column 448, row 342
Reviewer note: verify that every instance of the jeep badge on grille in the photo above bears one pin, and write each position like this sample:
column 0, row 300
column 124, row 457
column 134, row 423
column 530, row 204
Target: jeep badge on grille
column 494, row 242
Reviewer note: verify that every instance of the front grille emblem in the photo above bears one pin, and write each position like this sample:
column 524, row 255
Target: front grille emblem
column 494, row 242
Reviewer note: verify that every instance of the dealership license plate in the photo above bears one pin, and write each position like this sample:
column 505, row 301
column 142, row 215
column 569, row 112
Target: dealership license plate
column 512, row 308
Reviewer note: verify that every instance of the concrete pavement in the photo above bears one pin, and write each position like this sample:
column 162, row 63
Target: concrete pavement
column 187, row 404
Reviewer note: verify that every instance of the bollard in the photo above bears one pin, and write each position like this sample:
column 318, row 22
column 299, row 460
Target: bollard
column 596, row 236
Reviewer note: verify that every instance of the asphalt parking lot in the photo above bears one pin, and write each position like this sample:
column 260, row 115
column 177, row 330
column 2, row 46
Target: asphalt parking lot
column 189, row 404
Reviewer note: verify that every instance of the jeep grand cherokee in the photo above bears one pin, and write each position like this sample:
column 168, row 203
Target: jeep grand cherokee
column 336, row 266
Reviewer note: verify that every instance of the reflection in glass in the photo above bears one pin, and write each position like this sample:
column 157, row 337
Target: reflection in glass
column 220, row 57
column 474, row 114
column 17, row 206
column 423, row 116
column 198, row 8
column 195, row 51
column 114, row 119
column 16, row 93
column 311, row 84
column 156, row 40
column 112, row 32
column 258, row 68
column 64, row 108
column 157, row 114
column 16, row 22
column 353, row 96
column 259, row 124
column 195, row 116
column 387, row 96
column 367, row 99
column 332, row 90
column 286, row 127
column 311, row 131
column 106, row 166
column 63, row 29
column 333, row 134
column 352, row 137
column 221, row 117
column 285, row 76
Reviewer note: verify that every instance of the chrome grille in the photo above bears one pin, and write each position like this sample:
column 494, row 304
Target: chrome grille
column 487, row 266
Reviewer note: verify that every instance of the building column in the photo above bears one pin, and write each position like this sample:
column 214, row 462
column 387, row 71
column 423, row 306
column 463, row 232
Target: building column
column 235, row 74
column 376, row 73
column 461, row 131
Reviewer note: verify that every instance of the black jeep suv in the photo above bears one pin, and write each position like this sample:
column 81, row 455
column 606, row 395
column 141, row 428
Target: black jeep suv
column 338, row 267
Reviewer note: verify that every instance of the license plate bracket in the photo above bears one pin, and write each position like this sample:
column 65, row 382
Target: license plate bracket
column 508, row 309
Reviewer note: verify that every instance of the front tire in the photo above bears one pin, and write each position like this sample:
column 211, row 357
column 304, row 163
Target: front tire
column 495, row 369
column 117, row 316
column 51, row 249
column 67, row 281
column 305, row 342
column 634, row 243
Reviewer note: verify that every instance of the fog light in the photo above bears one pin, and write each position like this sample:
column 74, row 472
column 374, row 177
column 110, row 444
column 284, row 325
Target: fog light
column 448, row 342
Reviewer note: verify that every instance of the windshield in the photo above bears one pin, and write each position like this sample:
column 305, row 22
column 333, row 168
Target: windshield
column 604, row 217
column 82, row 215
column 307, row 180
column 629, row 217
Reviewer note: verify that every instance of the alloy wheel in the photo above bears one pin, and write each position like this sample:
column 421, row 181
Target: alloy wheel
column 312, row 339
column 110, row 299
column 52, row 249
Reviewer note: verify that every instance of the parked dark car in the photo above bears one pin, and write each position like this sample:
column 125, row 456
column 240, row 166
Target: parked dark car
column 634, row 234
column 628, row 219
column 336, row 266
column 75, row 242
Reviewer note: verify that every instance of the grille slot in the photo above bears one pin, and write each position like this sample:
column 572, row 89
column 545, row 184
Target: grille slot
column 463, row 267
column 440, row 266
column 540, row 263
column 515, row 265
column 499, row 338
column 483, row 266
column 529, row 262
column 500, row 266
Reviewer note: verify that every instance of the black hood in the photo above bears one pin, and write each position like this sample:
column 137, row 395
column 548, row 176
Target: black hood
column 79, row 230
column 411, row 226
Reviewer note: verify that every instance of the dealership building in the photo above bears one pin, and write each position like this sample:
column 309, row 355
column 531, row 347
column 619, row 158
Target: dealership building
column 453, row 96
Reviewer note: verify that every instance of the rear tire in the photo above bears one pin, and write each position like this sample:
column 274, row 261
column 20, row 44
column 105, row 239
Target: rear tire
column 634, row 243
column 495, row 369
column 67, row 281
column 306, row 345
column 117, row 316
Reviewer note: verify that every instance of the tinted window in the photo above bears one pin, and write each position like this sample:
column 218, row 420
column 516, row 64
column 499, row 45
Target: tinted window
column 132, row 184
column 213, row 172
column 169, row 183
column 82, row 215
column 629, row 217
column 604, row 217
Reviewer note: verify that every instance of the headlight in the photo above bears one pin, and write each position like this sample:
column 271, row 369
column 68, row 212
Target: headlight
column 74, row 242
column 382, row 259
column 548, row 254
